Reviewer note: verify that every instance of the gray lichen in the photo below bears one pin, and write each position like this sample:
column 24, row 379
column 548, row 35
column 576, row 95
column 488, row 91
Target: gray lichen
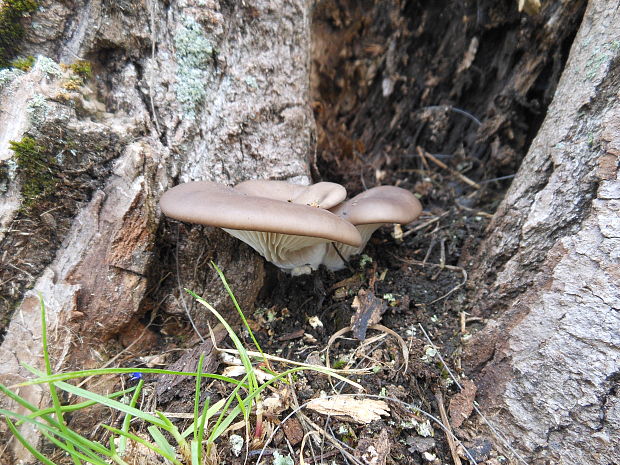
column 194, row 54
column 48, row 66
column 7, row 76
column 37, row 109
column 192, row 47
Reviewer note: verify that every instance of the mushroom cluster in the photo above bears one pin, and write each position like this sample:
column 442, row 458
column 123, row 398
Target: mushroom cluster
column 295, row 227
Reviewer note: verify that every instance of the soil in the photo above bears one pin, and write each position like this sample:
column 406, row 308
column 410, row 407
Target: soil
column 438, row 98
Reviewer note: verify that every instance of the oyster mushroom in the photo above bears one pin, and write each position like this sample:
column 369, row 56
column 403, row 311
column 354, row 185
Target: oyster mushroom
column 286, row 231
column 369, row 211
column 321, row 195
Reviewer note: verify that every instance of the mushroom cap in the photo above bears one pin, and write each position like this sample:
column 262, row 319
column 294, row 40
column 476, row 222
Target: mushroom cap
column 322, row 195
column 213, row 204
column 382, row 204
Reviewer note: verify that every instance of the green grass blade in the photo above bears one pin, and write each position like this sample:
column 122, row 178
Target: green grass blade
column 221, row 426
column 236, row 304
column 80, row 405
column 67, row 435
column 87, row 456
column 115, row 457
column 43, row 379
column 196, row 449
column 125, row 427
column 211, row 411
column 114, row 404
column 161, row 441
column 51, row 386
column 201, row 426
column 245, row 359
column 197, row 393
column 24, row 403
column 144, row 442
column 38, row 455
column 223, row 414
column 173, row 430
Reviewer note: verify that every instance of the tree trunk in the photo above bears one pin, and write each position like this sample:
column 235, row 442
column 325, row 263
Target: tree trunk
column 179, row 91
column 548, row 364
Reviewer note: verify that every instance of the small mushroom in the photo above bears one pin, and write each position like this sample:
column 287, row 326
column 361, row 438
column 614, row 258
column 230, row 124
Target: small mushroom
column 368, row 211
column 290, row 234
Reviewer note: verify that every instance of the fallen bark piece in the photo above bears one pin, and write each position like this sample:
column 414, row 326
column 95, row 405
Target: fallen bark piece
column 361, row 411
column 462, row 404
column 374, row 450
column 368, row 312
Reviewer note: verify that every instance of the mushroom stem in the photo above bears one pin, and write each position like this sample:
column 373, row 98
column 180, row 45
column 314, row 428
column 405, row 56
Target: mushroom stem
column 334, row 261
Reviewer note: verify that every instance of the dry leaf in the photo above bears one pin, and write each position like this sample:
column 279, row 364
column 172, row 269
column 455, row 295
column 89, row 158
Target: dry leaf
column 293, row 431
column 276, row 403
column 361, row 411
column 315, row 322
column 236, row 370
column 531, row 7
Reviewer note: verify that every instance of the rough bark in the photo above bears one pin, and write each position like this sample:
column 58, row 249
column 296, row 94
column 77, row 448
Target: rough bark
column 548, row 366
column 181, row 91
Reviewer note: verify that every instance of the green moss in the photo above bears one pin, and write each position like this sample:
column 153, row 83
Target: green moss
column 82, row 68
column 11, row 30
column 23, row 63
column 36, row 168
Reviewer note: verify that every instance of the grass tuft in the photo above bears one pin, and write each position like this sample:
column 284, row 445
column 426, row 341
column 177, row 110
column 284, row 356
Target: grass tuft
column 194, row 445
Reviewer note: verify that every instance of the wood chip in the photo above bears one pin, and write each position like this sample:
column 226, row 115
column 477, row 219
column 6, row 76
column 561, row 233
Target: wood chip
column 293, row 431
column 294, row 335
column 362, row 411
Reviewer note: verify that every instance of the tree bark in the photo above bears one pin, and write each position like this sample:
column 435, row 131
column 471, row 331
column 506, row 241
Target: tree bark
column 180, row 91
column 547, row 365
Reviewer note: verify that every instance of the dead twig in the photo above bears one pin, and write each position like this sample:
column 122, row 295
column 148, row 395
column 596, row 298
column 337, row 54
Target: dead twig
column 459, row 175
column 401, row 341
column 424, row 225
column 449, row 434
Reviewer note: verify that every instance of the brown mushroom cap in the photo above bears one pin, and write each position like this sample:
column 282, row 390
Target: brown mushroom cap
column 379, row 205
column 213, row 204
column 322, row 195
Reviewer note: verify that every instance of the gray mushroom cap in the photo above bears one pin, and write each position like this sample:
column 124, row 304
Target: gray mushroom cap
column 370, row 210
column 380, row 205
column 321, row 195
column 288, row 234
